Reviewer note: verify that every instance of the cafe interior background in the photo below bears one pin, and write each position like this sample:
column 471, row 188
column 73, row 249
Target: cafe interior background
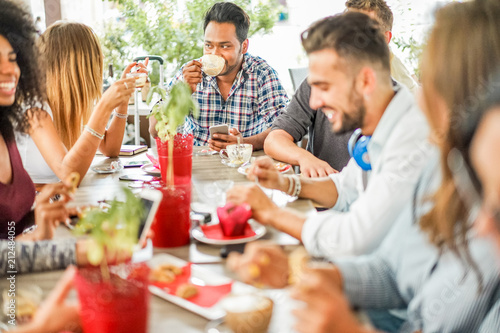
column 280, row 45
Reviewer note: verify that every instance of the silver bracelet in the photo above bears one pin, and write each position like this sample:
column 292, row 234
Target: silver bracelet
column 120, row 115
column 94, row 132
column 298, row 186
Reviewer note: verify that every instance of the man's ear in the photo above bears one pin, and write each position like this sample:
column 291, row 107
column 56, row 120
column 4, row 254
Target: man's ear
column 388, row 36
column 366, row 81
column 244, row 46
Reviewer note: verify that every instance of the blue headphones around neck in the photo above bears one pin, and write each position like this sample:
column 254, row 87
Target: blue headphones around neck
column 357, row 149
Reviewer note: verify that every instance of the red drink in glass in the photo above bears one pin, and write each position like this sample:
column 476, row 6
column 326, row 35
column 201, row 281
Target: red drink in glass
column 116, row 305
column 172, row 222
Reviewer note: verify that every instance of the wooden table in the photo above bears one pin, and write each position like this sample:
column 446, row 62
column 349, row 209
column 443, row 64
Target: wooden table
column 165, row 316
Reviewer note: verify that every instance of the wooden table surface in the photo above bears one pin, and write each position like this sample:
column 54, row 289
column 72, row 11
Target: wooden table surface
column 207, row 170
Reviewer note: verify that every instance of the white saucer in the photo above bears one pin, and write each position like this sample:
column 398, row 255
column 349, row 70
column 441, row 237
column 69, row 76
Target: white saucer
column 151, row 170
column 229, row 164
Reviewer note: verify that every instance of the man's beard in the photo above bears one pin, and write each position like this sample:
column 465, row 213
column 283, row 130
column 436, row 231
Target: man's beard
column 353, row 120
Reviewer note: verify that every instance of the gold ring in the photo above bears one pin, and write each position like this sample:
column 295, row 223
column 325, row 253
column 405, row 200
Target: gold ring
column 126, row 85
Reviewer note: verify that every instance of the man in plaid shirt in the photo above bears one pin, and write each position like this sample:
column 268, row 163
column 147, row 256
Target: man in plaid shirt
column 247, row 95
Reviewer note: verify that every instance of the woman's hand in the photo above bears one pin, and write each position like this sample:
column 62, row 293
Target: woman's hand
column 140, row 68
column 49, row 212
column 117, row 95
column 56, row 314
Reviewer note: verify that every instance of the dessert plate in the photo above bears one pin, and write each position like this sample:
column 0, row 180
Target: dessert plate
column 257, row 228
column 199, row 276
column 112, row 167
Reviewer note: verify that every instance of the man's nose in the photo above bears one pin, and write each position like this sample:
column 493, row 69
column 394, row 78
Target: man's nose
column 315, row 100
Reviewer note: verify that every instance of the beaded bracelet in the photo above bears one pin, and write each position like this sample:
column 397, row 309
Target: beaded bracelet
column 120, row 115
column 94, row 132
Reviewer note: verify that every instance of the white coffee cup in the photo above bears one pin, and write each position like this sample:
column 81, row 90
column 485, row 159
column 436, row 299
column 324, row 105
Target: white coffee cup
column 212, row 64
column 237, row 154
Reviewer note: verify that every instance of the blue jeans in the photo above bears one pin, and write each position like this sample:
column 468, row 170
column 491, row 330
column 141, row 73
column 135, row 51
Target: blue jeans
column 384, row 321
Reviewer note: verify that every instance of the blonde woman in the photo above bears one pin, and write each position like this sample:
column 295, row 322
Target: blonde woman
column 67, row 135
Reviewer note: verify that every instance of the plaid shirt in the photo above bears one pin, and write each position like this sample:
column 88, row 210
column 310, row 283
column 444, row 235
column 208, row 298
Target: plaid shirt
column 254, row 101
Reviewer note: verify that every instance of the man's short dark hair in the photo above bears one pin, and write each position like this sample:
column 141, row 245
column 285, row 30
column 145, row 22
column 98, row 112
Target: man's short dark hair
column 227, row 12
column 354, row 36
column 380, row 7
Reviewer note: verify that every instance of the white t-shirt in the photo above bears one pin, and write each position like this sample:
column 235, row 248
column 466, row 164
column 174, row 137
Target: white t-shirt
column 33, row 161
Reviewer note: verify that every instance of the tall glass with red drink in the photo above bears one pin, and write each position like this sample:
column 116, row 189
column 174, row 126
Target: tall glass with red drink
column 115, row 305
column 172, row 222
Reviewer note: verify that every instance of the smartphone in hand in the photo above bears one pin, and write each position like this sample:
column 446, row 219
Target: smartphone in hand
column 222, row 129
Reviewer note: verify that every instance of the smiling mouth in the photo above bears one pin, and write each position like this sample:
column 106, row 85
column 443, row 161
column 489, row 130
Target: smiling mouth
column 330, row 114
column 8, row 87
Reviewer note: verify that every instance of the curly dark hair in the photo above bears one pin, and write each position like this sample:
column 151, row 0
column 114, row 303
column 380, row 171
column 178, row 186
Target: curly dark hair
column 17, row 26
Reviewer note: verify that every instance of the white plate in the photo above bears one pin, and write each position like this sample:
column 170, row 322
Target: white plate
column 243, row 169
column 206, row 152
column 258, row 228
column 112, row 167
column 151, row 170
column 199, row 275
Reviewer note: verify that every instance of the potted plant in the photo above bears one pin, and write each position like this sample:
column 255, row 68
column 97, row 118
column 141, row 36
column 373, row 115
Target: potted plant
column 175, row 154
column 113, row 293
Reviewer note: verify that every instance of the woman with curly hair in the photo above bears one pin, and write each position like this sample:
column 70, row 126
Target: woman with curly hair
column 65, row 134
column 21, row 84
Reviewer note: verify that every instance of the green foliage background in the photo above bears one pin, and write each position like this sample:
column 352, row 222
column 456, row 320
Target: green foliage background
column 172, row 28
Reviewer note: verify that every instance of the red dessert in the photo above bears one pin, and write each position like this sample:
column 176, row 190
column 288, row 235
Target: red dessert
column 234, row 218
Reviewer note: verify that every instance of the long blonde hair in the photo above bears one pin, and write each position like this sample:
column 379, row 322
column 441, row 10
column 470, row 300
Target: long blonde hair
column 462, row 54
column 74, row 66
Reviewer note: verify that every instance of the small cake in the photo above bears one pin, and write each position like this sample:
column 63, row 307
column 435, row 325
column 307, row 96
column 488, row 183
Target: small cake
column 186, row 290
column 74, row 178
column 165, row 273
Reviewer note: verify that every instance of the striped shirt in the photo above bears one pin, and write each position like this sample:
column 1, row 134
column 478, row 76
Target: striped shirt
column 256, row 98
column 37, row 256
column 440, row 292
